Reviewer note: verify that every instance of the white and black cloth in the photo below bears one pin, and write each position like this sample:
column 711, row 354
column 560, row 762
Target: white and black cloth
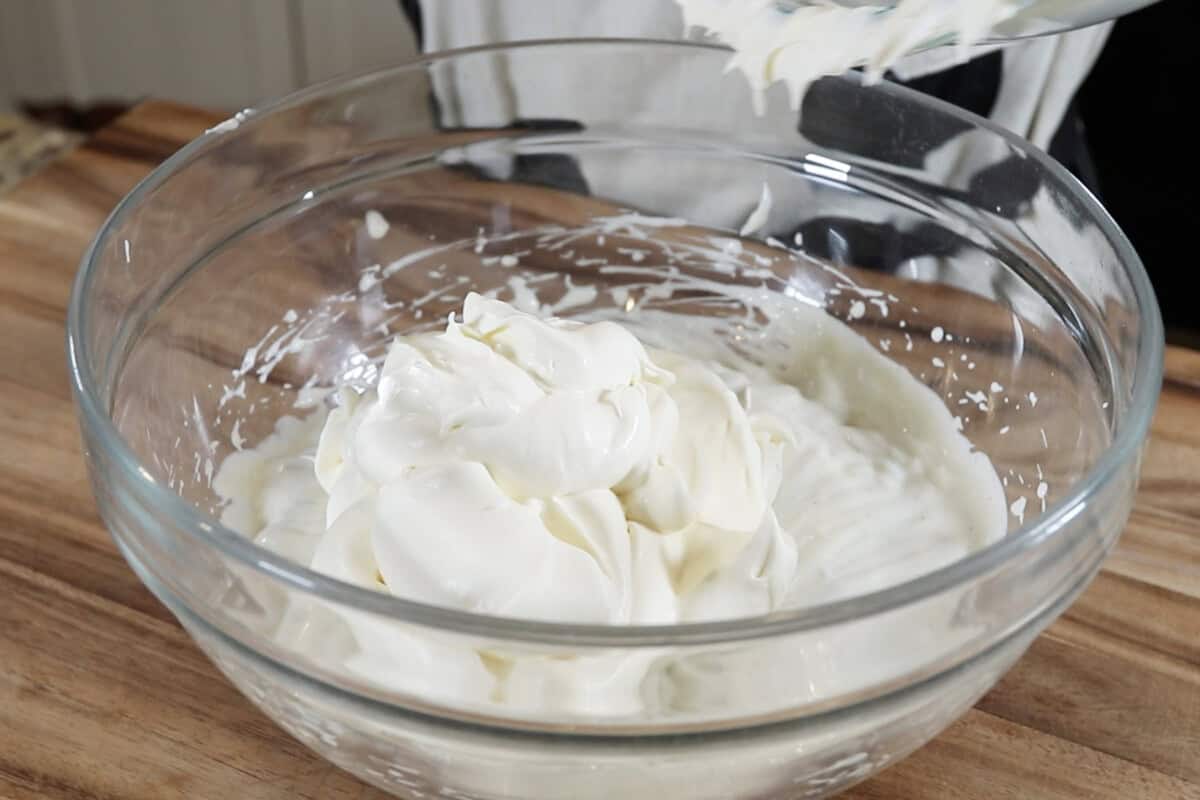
column 1026, row 86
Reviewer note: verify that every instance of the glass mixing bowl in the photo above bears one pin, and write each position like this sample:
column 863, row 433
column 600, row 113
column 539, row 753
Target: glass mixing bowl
column 622, row 180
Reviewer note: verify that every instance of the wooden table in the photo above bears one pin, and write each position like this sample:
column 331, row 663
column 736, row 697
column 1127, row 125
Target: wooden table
column 102, row 694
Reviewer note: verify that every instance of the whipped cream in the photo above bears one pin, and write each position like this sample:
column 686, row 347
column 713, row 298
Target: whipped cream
column 798, row 42
column 549, row 469
column 542, row 469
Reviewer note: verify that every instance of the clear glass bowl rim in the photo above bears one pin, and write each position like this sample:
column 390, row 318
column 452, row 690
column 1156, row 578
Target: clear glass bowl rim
column 1125, row 447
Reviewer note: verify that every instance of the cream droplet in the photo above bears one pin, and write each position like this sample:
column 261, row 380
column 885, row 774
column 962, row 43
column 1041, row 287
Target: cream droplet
column 377, row 226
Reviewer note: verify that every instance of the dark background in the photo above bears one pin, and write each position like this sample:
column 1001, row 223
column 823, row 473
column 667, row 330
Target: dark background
column 1138, row 110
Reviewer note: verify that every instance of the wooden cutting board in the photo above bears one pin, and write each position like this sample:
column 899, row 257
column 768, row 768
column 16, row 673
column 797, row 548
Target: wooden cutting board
column 102, row 694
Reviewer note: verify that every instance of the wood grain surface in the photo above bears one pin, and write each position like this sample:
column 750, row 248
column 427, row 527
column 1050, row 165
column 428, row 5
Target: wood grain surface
column 102, row 694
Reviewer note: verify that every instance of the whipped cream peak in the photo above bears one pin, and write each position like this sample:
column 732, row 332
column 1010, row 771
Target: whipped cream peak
column 547, row 469
column 561, row 354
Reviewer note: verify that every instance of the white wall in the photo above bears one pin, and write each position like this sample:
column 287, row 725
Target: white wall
column 224, row 54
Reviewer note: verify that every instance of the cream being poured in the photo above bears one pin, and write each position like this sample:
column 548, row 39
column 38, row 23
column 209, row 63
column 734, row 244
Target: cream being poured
column 798, row 42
